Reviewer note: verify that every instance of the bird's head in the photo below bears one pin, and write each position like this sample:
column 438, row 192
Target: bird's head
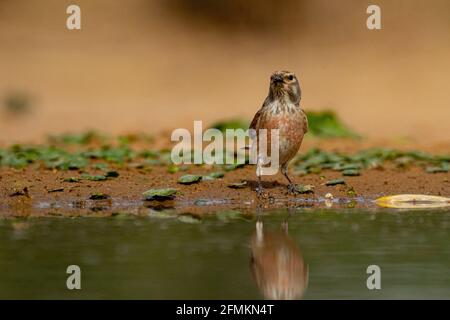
column 285, row 84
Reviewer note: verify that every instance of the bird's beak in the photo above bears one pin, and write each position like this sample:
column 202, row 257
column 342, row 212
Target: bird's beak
column 277, row 79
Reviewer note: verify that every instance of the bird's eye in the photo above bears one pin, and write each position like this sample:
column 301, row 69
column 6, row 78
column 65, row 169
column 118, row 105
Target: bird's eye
column 290, row 77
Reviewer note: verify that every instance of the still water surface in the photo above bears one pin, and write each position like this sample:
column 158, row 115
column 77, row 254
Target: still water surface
column 323, row 255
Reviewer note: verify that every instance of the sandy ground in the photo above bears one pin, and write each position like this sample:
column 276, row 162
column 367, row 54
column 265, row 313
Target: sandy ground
column 40, row 192
column 202, row 198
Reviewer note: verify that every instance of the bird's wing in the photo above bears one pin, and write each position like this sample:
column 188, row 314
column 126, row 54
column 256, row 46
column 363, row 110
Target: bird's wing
column 255, row 120
column 254, row 123
column 305, row 122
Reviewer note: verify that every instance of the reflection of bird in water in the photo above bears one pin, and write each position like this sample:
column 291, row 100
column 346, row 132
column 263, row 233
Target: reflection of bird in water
column 277, row 264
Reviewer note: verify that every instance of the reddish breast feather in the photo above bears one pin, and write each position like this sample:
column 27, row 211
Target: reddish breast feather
column 290, row 125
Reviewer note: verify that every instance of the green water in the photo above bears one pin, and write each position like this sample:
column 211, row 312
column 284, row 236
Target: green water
column 163, row 257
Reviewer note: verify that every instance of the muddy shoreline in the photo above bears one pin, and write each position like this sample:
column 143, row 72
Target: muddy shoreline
column 37, row 190
column 40, row 192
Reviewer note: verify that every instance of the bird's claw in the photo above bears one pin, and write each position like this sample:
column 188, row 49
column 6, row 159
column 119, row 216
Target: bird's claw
column 260, row 192
column 291, row 189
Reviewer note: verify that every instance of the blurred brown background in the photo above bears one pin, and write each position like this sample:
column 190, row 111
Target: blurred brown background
column 156, row 65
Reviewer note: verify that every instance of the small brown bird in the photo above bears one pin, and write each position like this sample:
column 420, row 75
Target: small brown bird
column 281, row 110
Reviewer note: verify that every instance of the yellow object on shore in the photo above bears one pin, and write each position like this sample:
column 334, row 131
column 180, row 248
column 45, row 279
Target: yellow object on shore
column 410, row 201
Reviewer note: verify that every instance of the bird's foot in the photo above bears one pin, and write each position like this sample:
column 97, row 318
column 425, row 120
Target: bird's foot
column 260, row 191
column 291, row 189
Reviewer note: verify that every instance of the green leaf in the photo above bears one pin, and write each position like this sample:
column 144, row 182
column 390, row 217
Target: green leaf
column 149, row 154
column 173, row 169
column 351, row 192
column 326, row 124
column 72, row 179
column 189, row 179
column 436, row 169
column 230, row 124
column 301, row 188
column 160, row 194
column 335, row 182
column 231, row 167
column 83, row 138
column 55, row 190
column 202, row 202
column 66, row 162
column 216, row 175
column 99, row 196
column 350, row 172
column 348, row 166
column 315, row 170
column 351, row 204
column 237, row 185
column 100, row 166
column 93, row 178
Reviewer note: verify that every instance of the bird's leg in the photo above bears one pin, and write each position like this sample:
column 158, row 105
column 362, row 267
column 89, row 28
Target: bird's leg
column 291, row 185
column 259, row 188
